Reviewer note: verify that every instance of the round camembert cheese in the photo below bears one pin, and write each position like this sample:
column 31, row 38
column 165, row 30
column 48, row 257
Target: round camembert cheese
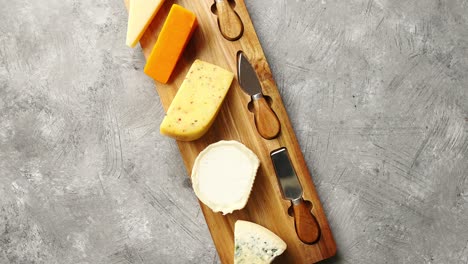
column 223, row 175
column 255, row 244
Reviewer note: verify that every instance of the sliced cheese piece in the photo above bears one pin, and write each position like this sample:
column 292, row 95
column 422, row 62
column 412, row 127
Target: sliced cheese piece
column 197, row 102
column 223, row 175
column 140, row 15
column 174, row 36
column 255, row 244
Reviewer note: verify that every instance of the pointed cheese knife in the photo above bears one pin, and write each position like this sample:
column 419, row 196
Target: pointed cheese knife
column 307, row 228
column 268, row 125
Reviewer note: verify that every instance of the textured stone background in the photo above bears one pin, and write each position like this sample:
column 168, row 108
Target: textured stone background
column 377, row 91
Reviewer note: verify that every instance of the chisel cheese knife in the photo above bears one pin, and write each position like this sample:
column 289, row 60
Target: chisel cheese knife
column 307, row 228
column 266, row 121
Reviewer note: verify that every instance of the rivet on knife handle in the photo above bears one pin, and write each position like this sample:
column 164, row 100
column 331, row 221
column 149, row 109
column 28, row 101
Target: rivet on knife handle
column 229, row 22
column 266, row 121
column 307, row 227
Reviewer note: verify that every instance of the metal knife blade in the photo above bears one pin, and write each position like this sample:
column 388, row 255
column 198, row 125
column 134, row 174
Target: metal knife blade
column 290, row 185
column 247, row 76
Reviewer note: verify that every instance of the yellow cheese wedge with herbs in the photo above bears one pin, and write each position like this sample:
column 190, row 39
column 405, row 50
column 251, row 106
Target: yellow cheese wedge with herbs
column 197, row 101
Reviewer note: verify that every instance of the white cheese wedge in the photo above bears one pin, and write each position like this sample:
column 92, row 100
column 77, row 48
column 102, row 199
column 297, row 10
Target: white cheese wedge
column 254, row 244
column 140, row 15
column 223, row 175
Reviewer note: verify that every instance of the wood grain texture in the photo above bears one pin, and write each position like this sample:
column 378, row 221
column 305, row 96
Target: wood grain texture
column 307, row 228
column 235, row 122
column 266, row 121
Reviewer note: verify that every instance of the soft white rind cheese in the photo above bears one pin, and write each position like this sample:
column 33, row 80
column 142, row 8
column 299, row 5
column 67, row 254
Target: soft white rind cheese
column 223, row 175
column 254, row 244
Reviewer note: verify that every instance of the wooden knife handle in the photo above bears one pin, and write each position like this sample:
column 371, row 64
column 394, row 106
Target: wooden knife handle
column 268, row 125
column 307, row 228
column 229, row 22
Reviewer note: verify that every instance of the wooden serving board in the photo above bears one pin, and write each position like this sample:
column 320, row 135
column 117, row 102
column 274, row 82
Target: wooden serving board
column 266, row 205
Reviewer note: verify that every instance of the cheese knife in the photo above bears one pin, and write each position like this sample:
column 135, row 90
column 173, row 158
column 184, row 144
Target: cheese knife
column 307, row 228
column 266, row 121
column 229, row 22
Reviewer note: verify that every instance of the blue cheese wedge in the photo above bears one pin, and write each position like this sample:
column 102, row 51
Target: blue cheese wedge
column 223, row 175
column 254, row 244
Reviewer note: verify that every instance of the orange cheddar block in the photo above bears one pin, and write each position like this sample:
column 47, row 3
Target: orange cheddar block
column 175, row 34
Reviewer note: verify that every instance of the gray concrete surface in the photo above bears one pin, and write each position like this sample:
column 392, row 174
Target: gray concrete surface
column 377, row 91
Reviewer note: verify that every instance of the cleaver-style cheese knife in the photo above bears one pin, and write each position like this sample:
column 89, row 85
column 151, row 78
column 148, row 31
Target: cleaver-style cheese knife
column 266, row 121
column 307, row 228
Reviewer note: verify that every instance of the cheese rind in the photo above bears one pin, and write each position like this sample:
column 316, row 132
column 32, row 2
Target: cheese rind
column 140, row 15
column 197, row 102
column 174, row 36
column 223, row 175
column 255, row 244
